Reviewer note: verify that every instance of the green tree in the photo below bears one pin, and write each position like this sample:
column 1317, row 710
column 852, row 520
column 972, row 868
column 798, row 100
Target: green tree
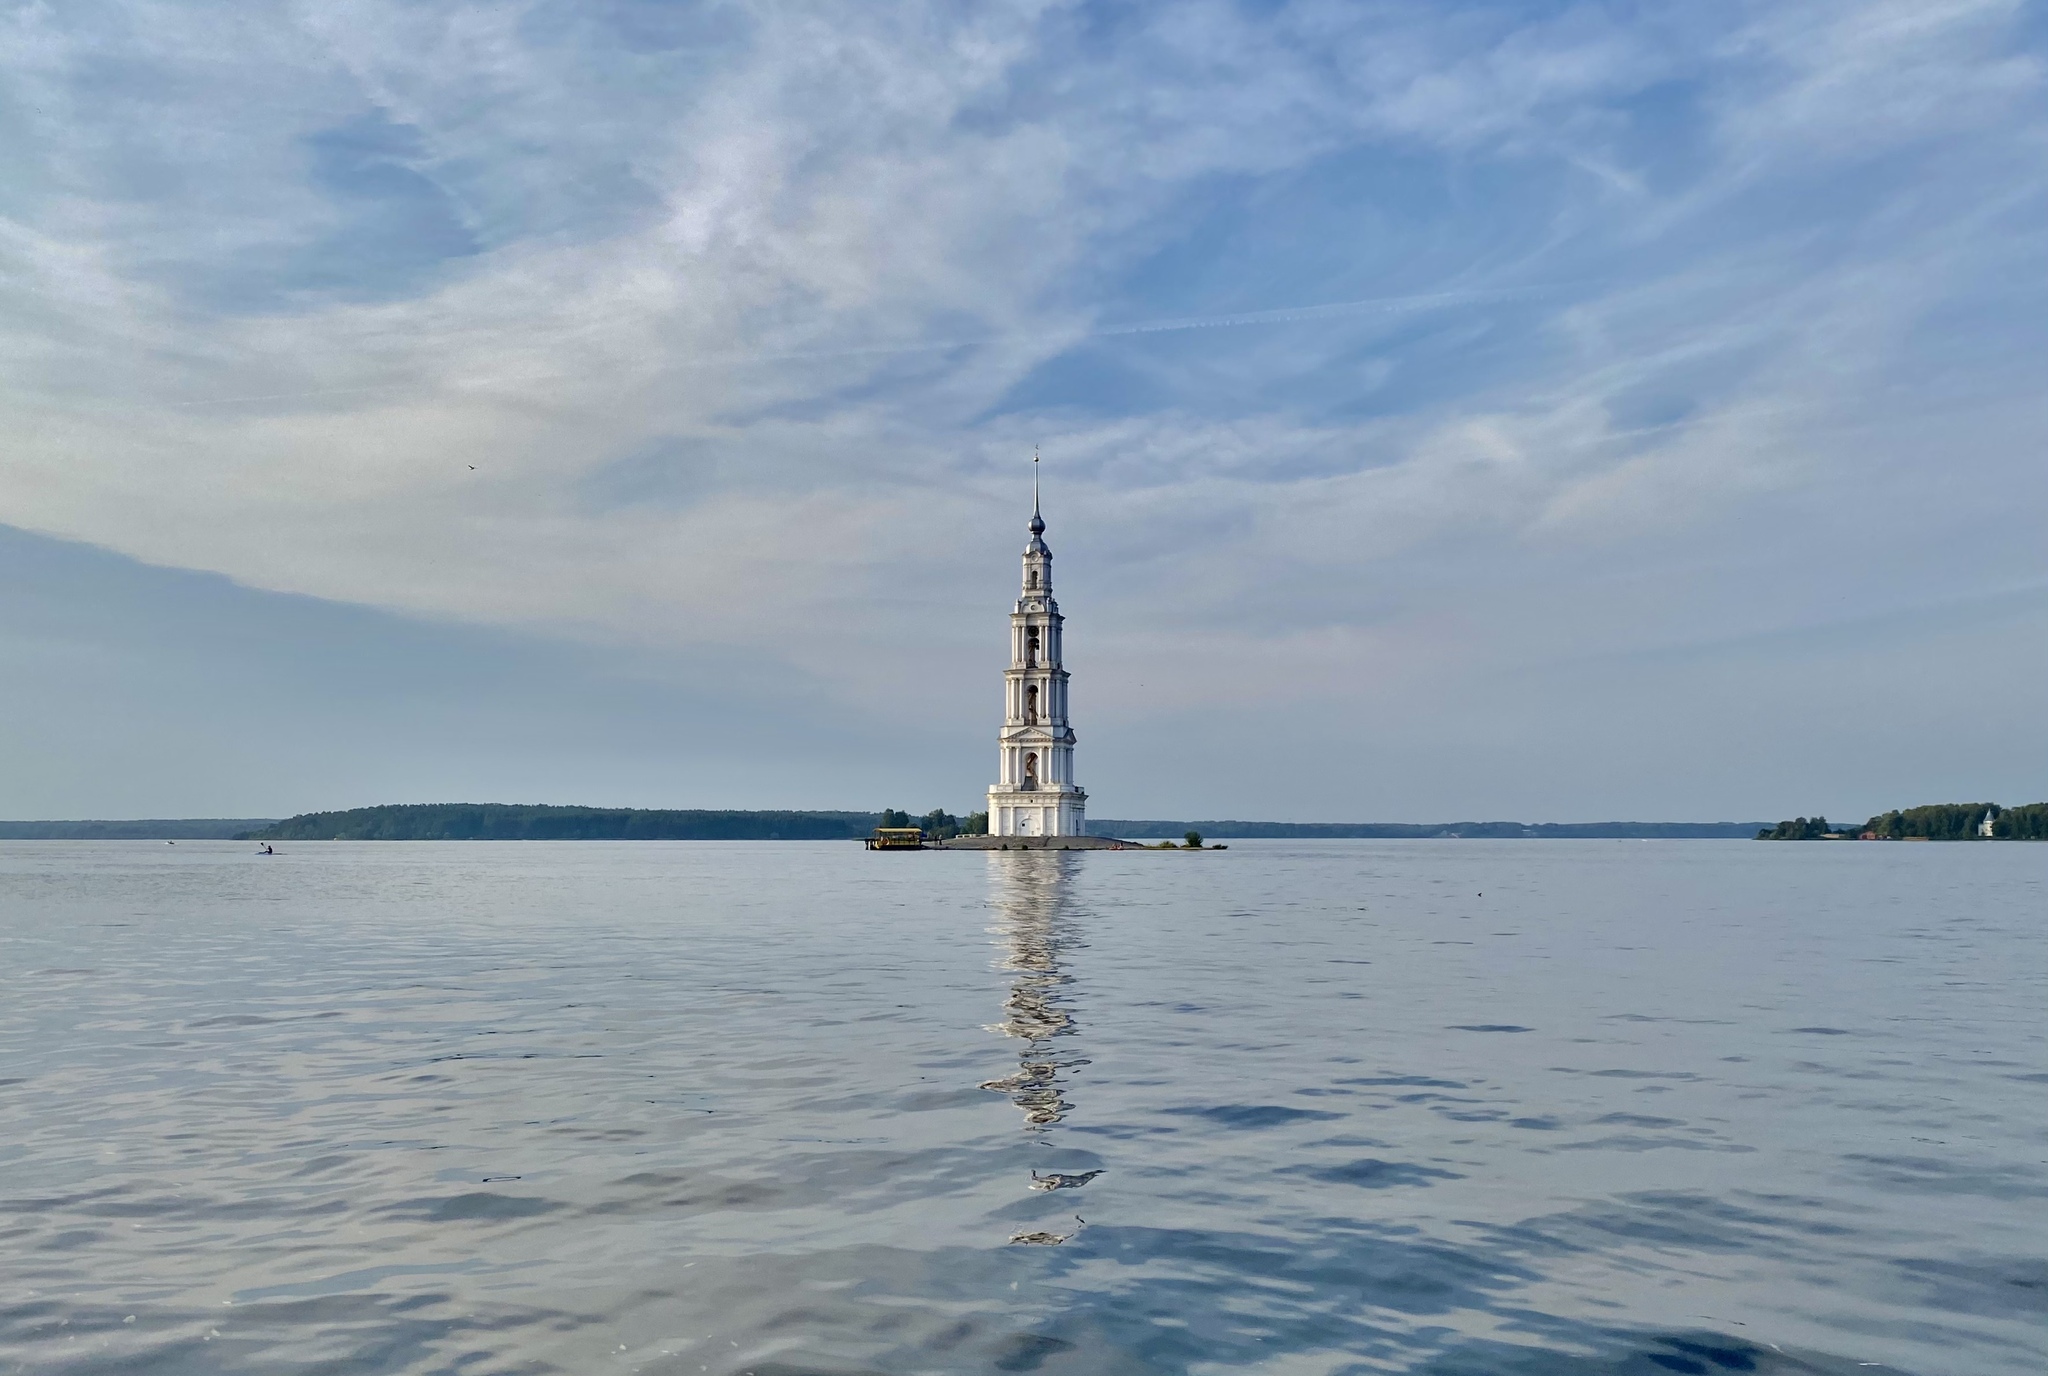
column 1935, row 822
column 2028, row 822
column 1798, row 829
column 1194, row 840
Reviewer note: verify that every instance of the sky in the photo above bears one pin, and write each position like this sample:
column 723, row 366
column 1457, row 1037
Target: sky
column 1524, row 410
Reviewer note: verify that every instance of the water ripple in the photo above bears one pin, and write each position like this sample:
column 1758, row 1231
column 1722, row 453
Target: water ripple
column 801, row 1110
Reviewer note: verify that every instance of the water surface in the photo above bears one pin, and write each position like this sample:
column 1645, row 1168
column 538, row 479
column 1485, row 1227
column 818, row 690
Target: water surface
column 1542, row 1108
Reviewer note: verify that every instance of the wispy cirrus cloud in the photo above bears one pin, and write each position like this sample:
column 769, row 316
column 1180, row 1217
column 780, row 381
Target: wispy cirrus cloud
column 1342, row 327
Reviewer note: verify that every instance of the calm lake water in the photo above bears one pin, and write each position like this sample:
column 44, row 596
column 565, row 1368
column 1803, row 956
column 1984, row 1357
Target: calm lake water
column 1536, row 1108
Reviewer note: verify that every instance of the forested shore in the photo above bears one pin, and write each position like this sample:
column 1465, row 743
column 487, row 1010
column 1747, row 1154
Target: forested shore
column 545, row 822
column 1933, row 822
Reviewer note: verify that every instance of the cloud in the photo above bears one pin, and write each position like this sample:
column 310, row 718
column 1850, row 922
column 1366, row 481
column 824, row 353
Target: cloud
column 1349, row 332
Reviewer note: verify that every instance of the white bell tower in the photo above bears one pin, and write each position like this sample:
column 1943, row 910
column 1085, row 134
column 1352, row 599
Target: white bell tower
column 1035, row 793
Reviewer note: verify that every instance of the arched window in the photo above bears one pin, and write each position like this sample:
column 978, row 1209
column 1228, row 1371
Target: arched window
column 1031, row 705
column 1031, row 769
column 1031, row 647
column 1033, row 581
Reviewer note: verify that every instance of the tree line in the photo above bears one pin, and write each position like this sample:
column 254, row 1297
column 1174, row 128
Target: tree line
column 1932, row 822
column 544, row 822
column 938, row 824
column 548, row 822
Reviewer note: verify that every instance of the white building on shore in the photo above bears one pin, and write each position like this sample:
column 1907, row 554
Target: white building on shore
column 1035, row 793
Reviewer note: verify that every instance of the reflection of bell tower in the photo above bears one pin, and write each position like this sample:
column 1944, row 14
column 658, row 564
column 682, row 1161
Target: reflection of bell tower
column 1035, row 793
column 1030, row 898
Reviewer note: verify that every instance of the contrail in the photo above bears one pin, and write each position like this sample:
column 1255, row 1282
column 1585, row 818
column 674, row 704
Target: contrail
column 298, row 396
column 1286, row 313
column 1277, row 316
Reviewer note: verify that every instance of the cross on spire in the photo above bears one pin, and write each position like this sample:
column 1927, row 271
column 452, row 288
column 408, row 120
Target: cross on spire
column 1037, row 526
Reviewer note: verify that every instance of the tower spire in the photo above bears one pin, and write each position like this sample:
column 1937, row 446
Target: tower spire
column 1037, row 526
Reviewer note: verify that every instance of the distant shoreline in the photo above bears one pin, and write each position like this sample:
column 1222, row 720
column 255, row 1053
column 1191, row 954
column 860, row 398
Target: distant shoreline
column 139, row 829
column 1429, row 831
column 538, row 822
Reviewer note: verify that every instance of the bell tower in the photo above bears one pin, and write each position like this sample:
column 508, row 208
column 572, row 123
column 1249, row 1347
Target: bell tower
column 1035, row 793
